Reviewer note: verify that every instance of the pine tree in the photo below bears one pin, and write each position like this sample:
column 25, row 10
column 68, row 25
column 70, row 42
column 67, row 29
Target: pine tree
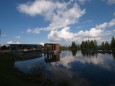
column 113, row 43
column 107, row 46
column 74, row 46
column 103, row 46
column 83, row 45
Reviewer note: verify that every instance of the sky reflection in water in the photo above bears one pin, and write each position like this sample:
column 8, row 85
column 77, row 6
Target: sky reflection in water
column 92, row 70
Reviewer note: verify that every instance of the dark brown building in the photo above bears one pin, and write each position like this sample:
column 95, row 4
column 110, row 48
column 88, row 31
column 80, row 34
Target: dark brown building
column 52, row 47
column 24, row 47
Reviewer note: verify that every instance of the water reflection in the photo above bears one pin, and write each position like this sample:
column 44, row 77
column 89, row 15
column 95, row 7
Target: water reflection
column 89, row 54
column 28, row 56
column 38, row 70
column 74, row 52
column 113, row 55
column 51, row 57
column 78, row 68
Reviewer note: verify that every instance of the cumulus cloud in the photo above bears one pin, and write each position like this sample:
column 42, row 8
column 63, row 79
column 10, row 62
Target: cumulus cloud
column 42, row 43
column 59, row 14
column 66, row 35
column 110, row 32
column 94, row 33
column 82, row 1
column 18, row 37
column 13, row 42
column 36, row 7
column 36, row 30
column 110, row 2
column 61, row 35
column 112, row 22
column 114, row 14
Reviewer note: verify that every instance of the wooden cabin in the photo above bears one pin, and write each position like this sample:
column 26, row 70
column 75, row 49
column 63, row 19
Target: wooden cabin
column 51, row 48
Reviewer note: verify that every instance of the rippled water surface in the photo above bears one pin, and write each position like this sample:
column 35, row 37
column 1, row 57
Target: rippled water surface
column 78, row 68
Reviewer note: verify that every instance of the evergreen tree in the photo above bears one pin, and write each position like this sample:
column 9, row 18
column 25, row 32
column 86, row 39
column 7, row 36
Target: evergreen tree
column 73, row 46
column 103, row 46
column 95, row 45
column 83, row 45
column 89, row 45
column 64, row 47
column 4, row 47
column 107, row 46
column 113, row 43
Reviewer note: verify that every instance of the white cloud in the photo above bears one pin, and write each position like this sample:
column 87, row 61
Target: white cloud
column 13, row 42
column 82, row 1
column 110, row 2
column 59, row 14
column 36, row 7
column 114, row 14
column 66, row 35
column 102, row 26
column 110, row 32
column 94, row 33
column 18, row 37
column 36, row 30
column 63, row 34
column 42, row 43
column 112, row 22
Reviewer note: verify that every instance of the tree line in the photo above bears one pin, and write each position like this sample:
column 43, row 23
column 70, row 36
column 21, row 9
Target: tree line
column 91, row 45
column 85, row 45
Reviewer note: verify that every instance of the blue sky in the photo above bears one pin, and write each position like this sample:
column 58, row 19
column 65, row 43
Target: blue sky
column 62, row 21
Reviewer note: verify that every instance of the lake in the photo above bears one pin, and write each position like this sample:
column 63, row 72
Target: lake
column 76, row 68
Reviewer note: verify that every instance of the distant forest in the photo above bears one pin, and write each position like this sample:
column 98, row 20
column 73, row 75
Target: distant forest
column 91, row 45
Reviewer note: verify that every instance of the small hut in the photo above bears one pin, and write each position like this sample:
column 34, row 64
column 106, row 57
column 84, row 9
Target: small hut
column 51, row 48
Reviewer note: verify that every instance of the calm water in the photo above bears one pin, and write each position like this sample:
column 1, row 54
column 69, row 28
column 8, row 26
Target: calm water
column 78, row 68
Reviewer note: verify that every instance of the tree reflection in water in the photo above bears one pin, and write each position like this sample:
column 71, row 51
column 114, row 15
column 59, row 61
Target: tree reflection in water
column 88, row 54
column 113, row 55
column 65, row 70
column 38, row 70
column 74, row 52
